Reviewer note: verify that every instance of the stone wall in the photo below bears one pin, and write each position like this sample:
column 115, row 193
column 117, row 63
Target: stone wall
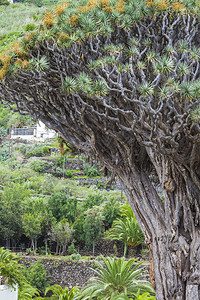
column 66, row 272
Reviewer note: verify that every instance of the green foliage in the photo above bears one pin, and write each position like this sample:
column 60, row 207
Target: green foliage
column 90, row 171
column 69, row 174
column 116, row 277
column 30, row 27
column 61, row 233
column 60, row 294
column 27, row 292
column 93, row 227
column 145, row 296
column 4, row 2
column 71, row 249
column 36, row 150
column 75, row 256
column 93, row 199
column 38, row 165
column 11, row 15
column 62, row 206
column 126, row 229
column 9, row 268
column 32, row 225
column 36, row 275
column 111, row 212
column 7, row 117
column 11, row 209
column 4, row 154
column 79, row 233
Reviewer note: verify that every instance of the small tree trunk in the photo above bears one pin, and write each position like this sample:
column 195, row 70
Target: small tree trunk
column 32, row 245
column 57, row 249
column 8, row 243
column 125, row 249
column 46, row 246
column 35, row 246
column 93, row 246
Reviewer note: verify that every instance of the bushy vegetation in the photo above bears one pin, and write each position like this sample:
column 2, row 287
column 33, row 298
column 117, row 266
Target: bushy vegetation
column 39, row 203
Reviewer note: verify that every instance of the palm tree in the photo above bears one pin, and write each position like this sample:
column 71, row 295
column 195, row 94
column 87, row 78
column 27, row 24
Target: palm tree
column 126, row 229
column 118, row 278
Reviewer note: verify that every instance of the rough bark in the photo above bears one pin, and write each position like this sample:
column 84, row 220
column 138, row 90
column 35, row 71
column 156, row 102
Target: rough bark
column 150, row 142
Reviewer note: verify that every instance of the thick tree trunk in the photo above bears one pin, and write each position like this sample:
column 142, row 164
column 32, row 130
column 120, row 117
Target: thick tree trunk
column 171, row 228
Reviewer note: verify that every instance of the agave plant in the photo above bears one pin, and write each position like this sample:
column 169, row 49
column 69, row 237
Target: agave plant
column 118, row 278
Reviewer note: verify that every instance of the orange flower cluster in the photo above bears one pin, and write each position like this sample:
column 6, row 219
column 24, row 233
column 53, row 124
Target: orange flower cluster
column 5, row 60
column 25, row 64
column 73, row 20
column 150, row 3
column 177, row 6
column 60, row 8
column 48, row 19
column 10, row 54
column 63, row 37
column 120, row 6
column 162, row 4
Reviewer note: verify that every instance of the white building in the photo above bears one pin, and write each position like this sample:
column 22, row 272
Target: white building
column 40, row 132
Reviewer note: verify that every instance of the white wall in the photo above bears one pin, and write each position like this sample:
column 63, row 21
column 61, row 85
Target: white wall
column 8, row 293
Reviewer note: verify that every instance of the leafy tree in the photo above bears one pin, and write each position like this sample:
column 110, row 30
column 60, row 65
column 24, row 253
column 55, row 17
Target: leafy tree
column 62, row 206
column 111, row 212
column 93, row 199
column 12, row 205
column 117, row 277
column 120, row 80
column 32, row 227
column 93, row 227
column 61, row 233
column 79, row 233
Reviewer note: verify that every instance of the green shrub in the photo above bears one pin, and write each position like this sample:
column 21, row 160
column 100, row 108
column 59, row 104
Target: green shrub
column 75, row 256
column 4, row 154
column 94, row 199
column 30, row 27
column 36, row 275
column 38, row 150
column 71, row 249
column 4, row 2
column 90, row 171
column 38, row 166
column 69, row 174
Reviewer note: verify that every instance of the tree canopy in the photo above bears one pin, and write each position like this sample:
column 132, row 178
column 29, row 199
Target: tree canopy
column 121, row 80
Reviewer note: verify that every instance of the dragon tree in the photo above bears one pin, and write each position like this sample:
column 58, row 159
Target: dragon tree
column 121, row 81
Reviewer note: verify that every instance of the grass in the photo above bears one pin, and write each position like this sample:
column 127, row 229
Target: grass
column 15, row 17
